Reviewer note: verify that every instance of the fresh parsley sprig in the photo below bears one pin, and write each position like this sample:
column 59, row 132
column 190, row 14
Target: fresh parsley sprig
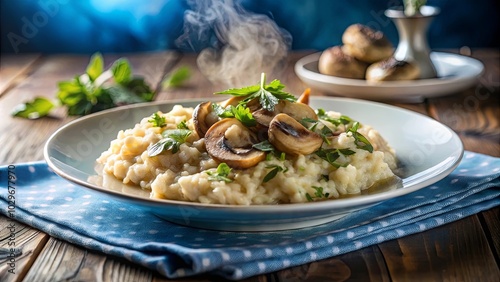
column 221, row 174
column 267, row 95
column 240, row 112
column 171, row 141
column 157, row 120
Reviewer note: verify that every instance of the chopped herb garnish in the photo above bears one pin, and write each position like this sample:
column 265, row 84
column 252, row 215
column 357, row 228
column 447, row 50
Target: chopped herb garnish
column 282, row 156
column 267, row 95
column 318, row 194
column 331, row 155
column 361, row 141
column 312, row 125
column 264, row 146
column 345, row 120
column 240, row 112
column 221, row 174
column 172, row 141
column 274, row 171
column 158, row 120
column 182, row 125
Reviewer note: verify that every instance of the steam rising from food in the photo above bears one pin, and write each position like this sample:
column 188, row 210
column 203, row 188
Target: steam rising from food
column 241, row 45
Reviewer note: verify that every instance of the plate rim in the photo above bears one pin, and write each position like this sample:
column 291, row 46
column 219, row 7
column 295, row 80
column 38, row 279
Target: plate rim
column 265, row 209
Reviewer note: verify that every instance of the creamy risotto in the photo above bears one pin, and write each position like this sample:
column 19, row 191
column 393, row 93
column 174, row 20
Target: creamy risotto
column 211, row 154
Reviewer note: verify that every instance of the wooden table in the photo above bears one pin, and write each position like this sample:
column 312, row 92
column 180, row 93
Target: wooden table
column 466, row 250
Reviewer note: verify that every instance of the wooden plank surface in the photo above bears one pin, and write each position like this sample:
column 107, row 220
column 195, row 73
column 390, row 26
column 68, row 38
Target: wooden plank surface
column 28, row 240
column 447, row 253
column 14, row 69
column 463, row 250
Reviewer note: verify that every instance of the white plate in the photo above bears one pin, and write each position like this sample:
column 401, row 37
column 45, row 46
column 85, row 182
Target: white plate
column 428, row 150
column 455, row 73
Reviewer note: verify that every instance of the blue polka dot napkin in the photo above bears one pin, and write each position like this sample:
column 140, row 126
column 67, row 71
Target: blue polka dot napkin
column 96, row 221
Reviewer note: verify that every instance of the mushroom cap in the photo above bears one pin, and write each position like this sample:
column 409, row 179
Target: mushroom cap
column 289, row 136
column 241, row 155
column 298, row 111
column 392, row 69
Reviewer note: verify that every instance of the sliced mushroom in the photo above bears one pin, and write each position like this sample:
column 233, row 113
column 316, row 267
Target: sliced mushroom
column 203, row 118
column 298, row 111
column 289, row 136
column 229, row 141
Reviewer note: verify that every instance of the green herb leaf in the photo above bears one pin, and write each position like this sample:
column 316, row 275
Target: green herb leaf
column 122, row 72
column 139, row 86
column 157, row 120
column 240, row 112
column 245, row 91
column 172, row 141
column 221, row 174
column 121, row 95
column 318, row 194
column 331, row 155
column 39, row 107
column 345, row 120
column 182, row 125
column 361, row 141
column 267, row 95
column 88, row 93
column 176, row 78
column 244, row 115
column 274, row 171
column 264, row 146
column 95, row 67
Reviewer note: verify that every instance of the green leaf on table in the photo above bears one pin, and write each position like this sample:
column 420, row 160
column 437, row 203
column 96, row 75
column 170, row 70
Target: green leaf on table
column 122, row 72
column 38, row 107
column 176, row 78
column 95, row 67
column 140, row 87
column 95, row 91
column 121, row 95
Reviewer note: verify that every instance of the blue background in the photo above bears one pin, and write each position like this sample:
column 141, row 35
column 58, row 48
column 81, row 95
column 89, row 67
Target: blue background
column 86, row 26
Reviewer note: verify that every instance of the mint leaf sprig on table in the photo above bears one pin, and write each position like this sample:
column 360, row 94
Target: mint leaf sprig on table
column 267, row 95
column 95, row 90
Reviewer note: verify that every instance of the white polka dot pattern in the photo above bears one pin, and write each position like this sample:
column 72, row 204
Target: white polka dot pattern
column 99, row 222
